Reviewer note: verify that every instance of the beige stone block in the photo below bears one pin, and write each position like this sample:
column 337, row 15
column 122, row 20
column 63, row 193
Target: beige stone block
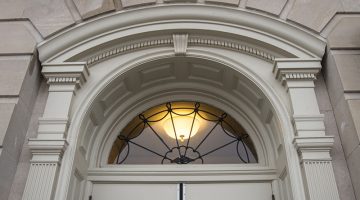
column 347, row 131
column 48, row 16
column 351, row 5
column 91, row 8
column 349, row 70
column 273, row 6
column 179, row 1
column 314, row 14
column 15, row 38
column 226, row 2
column 6, row 112
column 354, row 168
column 332, row 78
column 31, row 83
column 15, row 134
column 13, row 70
column 342, row 175
column 354, row 106
column 130, row 3
column 22, row 170
column 11, row 9
column 322, row 95
column 7, row 172
column 41, row 98
column 346, row 33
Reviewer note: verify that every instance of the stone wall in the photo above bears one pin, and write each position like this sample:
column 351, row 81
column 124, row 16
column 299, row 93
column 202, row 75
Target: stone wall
column 19, row 80
column 25, row 23
column 314, row 14
column 342, row 76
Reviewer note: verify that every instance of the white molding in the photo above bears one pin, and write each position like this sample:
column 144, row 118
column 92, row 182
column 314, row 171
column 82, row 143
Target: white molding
column 286, row 69
column 131, row 46
column 229, row 38
column 310, row 141
column 267, row 28
column 190, row 40
column 47, row 150
column 116, row 73
column 314, row 148
column 65, row 73
column 210, row 173
column 235, row 46
column 180, row 44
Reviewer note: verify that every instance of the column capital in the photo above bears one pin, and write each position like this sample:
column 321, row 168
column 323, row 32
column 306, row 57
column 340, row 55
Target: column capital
column 47, row 150
column 314, row 148
column 60, row 75
column 297, row 69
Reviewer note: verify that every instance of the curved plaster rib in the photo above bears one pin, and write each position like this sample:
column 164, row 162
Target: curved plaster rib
column 257, row 23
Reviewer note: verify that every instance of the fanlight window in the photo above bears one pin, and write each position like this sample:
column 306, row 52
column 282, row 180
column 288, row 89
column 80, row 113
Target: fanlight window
column 183, row 133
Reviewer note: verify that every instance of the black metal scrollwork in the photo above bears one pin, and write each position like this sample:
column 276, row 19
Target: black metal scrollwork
column 185, row 153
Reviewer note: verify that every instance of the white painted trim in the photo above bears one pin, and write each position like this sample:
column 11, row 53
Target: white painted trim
column 263, row 35
column 258, row 81
column 141, row 18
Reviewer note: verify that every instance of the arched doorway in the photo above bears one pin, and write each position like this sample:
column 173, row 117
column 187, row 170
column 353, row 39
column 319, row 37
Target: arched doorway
column 241, row 99
column 224, row 63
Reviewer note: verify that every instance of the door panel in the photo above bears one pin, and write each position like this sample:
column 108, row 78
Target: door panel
column 134, row 192
column 193, row 191
column 228, row 191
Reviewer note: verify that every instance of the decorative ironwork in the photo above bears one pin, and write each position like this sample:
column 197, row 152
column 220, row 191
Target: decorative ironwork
column 184, row 153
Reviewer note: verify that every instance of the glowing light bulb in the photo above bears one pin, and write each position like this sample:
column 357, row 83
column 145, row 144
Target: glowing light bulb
column 182, row 126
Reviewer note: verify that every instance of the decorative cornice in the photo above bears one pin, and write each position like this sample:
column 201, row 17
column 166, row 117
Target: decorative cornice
column 180, row 42
column 128, row 47
column 242, row 21
column 286, row 69
column 47, row 150
column 314, row 148
column 235, row 46
column 73, row 73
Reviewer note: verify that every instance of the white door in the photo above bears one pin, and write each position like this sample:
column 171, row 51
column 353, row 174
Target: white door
column 192, row 191
column 131, row 191
column 228, row 191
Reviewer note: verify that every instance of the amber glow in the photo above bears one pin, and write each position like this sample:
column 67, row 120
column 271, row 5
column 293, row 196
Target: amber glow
column 182, row 126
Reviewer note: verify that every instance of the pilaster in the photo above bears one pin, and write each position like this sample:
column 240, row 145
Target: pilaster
column 298, row 76
column 49, row 145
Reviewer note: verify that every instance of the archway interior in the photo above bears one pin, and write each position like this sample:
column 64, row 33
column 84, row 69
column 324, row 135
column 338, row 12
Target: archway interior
column 174, row 79
column 183, row 133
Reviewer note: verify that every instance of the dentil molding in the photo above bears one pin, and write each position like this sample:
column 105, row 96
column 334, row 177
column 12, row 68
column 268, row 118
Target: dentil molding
column 180, row 43
column 287, row 69
column 69, row 73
